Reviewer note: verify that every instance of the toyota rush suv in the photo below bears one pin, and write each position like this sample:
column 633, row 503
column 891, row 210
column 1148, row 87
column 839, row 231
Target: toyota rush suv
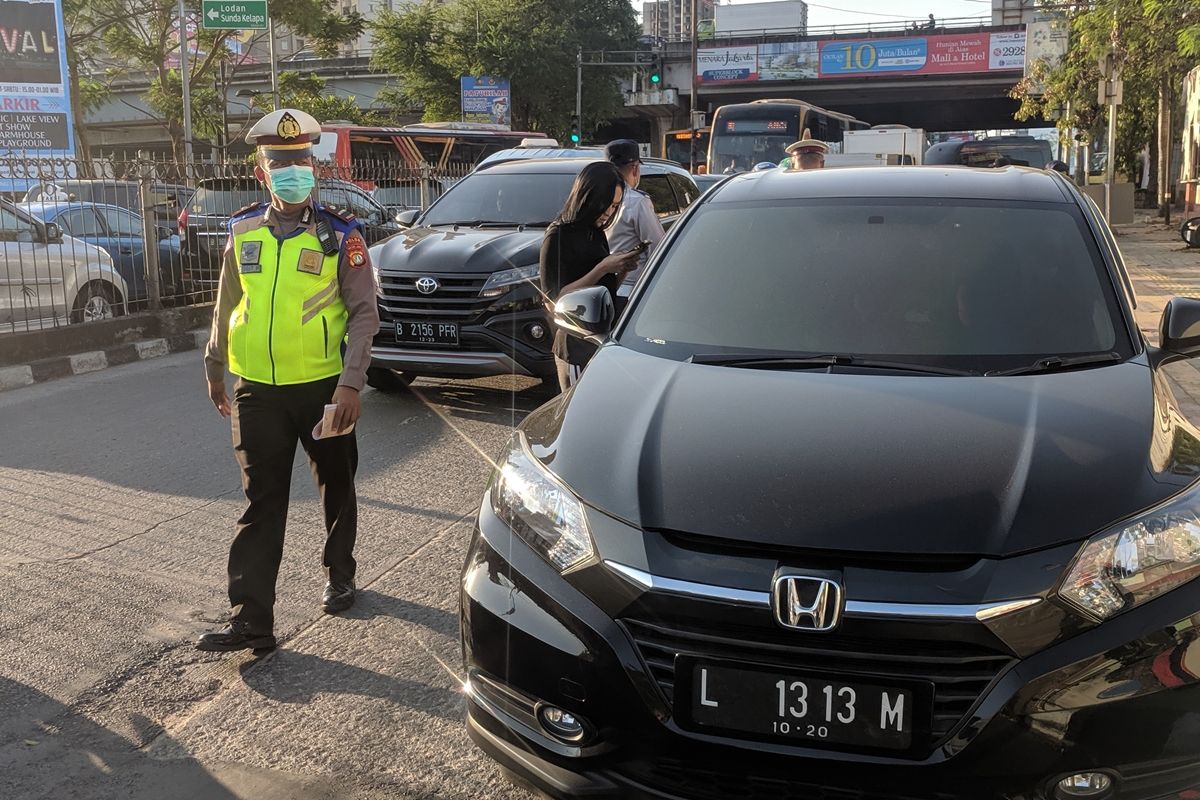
column 875, row 490
column 458, row 291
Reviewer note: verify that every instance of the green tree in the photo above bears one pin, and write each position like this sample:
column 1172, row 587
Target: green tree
column 533, row 43
column 308, row 93
column 139, row 37
column 1155, row 44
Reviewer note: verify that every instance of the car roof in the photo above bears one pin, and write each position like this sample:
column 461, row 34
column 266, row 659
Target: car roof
column 55, row 207
column 967, row 183
column 570, row 166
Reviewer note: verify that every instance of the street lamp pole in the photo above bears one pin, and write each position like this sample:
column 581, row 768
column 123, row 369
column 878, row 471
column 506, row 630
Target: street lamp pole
column 185, row 76
column 695, row 85
column 274, row 64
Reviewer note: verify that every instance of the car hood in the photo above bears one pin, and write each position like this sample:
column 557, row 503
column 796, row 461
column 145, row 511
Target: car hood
column 883, row 463
column 468, row 250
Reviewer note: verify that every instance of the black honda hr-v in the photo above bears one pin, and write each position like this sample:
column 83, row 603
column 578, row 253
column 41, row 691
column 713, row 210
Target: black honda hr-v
column 874, row 491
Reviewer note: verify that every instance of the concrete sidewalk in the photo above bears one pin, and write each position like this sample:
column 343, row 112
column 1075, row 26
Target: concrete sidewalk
column 1161, row 267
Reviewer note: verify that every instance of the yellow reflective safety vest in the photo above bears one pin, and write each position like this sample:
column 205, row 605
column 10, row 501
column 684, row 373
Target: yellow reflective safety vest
column 289, row 326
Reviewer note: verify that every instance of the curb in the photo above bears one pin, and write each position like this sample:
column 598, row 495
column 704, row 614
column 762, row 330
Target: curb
column 48, row 369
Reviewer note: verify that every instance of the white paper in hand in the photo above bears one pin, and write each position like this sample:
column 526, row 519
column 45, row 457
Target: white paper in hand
column 324, row 429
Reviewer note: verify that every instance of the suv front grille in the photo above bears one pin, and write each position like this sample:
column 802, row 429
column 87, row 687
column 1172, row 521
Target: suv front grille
column 959, row 672
column 456, row 299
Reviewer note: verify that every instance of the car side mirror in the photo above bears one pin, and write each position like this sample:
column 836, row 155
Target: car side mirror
column 405, row 219
column 164, row 232
column 54, row 233
column 1179, row 331
column 587, row 313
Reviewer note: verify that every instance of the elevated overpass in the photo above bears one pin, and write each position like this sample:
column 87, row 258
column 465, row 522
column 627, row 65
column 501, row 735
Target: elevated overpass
column 950, row 77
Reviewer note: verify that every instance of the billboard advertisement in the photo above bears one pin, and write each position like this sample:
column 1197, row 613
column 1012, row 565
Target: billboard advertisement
column 486, row 99
column 35, row 110
column 1008, row 51
column 918, row 55
column 789, row 61
column 727, row 64
column 845, row 58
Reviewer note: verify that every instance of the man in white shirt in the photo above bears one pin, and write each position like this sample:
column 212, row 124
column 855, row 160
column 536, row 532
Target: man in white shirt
column 636, row 221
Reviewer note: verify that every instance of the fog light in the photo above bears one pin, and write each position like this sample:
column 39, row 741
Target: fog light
column 537, row 332
column 1083, row 784
column 561, row 724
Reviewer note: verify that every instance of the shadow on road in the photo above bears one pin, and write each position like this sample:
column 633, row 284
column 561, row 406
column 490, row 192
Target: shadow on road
column 373, row 604
column 47, row 750
column 292, row 677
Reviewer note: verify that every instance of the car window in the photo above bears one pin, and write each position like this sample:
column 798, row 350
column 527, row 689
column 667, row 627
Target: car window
column 926, row 281
column 685, row 191
column 343, row 197
column 518, row 198
column 660, row 193
column 1021, row 155
column 121, row 222
column 13, row 225
column 224, row 200
column 80, row 222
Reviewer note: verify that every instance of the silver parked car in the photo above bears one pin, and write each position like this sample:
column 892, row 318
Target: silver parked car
column 44, row 274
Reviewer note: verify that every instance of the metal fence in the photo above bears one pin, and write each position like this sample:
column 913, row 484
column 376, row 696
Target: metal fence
column 88, row 240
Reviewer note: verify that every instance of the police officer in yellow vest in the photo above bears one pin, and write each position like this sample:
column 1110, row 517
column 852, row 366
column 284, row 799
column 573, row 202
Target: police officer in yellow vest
column 296, row 312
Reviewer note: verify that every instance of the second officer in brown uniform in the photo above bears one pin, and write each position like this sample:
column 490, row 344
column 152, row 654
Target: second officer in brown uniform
column 296, row 312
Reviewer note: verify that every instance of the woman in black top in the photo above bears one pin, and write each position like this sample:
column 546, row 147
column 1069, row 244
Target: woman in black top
column 575, row 255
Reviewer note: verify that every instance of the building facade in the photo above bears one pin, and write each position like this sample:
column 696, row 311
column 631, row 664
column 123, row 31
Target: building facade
column 672, row 19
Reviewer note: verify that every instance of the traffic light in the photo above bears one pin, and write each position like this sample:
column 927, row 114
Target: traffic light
column 575, row 129
column 655, row 73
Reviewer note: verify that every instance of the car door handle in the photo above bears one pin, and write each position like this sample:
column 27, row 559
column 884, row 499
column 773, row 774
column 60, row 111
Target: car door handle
column 128, row 250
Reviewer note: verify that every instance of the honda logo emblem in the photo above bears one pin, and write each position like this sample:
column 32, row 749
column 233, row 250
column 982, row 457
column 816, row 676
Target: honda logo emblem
column 807, row 603
column 428, row 285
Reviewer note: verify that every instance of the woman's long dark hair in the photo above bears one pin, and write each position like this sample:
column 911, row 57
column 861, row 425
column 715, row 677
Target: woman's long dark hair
column 591, row 194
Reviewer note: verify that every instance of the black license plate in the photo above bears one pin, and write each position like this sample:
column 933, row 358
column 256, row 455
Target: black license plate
column 444, row 333
column 802, row 708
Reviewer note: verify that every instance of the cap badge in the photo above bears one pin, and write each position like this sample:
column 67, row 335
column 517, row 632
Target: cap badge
column 288, row 127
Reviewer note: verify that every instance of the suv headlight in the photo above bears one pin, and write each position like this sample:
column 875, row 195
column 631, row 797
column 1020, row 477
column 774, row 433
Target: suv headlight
column 501, row 282
column 1137, row 560
column 542, row 511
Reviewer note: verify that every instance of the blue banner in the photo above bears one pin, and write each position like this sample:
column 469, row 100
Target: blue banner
column 486, row 99
column 877, row 56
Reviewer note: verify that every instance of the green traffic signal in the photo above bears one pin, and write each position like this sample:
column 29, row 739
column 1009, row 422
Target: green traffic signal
column 575, row 138
column 655, row 78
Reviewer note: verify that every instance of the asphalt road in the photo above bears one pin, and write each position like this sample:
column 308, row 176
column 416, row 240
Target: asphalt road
column 118, row 493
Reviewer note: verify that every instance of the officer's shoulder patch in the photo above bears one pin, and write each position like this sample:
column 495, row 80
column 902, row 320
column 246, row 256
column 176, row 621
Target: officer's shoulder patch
column 342, row 221
column 248, row 210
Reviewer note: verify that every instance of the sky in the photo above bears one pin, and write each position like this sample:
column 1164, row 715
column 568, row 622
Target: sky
column 847, row 12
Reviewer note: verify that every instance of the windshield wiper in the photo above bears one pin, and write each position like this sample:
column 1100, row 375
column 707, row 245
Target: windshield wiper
column 1057, row 363
column 485, row 223
column 801, row 361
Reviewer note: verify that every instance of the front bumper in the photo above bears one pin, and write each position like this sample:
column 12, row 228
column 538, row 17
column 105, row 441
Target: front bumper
column 495, row 338
column 1119, row 697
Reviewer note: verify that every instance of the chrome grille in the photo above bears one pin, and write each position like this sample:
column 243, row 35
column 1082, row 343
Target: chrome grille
column 456, row 299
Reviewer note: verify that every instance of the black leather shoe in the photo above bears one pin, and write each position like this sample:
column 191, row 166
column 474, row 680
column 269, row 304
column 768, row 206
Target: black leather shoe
column 337, row 597
column 234, row 636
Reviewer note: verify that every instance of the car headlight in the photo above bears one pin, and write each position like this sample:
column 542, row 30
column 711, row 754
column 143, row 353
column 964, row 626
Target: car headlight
column 1138, row 560
column 501, row 282
column 542, row 511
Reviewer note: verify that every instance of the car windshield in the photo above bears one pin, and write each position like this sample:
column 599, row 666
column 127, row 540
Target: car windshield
column 517, row 198
column 406, row 196
column 1021, row 155
column 943, row 283
column 224, row 200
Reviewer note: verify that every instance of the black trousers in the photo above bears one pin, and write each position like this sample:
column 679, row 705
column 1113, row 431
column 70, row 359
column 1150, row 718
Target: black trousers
column 268, row 421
